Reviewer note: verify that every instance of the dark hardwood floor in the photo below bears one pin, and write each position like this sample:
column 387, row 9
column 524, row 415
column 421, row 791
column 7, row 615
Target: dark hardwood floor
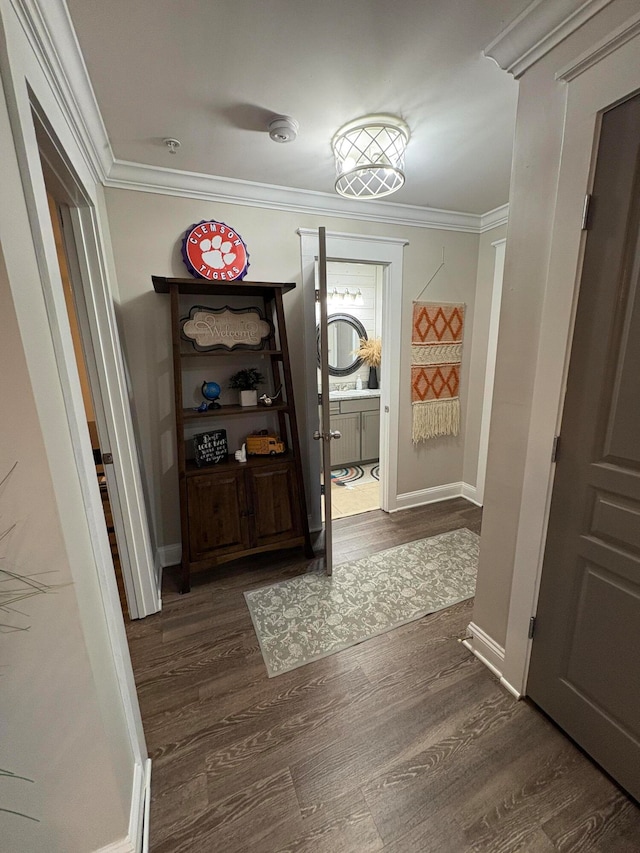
column 403, row 743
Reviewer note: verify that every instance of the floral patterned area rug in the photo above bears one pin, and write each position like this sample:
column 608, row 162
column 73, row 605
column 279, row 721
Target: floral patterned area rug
column 312, row 616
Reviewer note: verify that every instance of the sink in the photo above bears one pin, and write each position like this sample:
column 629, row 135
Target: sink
column 353, row 394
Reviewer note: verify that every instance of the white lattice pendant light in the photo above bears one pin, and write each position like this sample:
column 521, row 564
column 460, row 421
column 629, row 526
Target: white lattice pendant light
column 369, row 156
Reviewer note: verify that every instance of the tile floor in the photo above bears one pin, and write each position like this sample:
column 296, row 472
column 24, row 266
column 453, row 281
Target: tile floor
column 355, row 497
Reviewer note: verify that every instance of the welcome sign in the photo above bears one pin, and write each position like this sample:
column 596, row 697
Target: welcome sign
column 225, row 328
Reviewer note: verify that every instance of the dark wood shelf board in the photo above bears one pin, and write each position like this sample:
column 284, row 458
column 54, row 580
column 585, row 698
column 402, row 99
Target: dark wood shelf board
column 272, row 353
column 191, row 469
column 191, row 286
column 232, row 411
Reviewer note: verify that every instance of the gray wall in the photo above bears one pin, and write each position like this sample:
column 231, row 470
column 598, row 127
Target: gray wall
column 146, row 231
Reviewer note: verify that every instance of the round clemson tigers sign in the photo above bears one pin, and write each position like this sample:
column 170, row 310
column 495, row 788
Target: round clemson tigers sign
column 214, row 251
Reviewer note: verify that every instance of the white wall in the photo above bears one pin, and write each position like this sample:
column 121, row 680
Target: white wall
column 52, row 728
column 71, row 717
column 146, row 230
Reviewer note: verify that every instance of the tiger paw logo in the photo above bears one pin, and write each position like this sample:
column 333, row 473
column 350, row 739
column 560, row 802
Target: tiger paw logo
column 214, row 251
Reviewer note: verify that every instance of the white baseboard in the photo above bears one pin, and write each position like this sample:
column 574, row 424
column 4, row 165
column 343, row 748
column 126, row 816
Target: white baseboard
column 435, row 494
column 490, row 653
column 137, row 841
column 470, row 493
column 147, row 806
column 122, row 846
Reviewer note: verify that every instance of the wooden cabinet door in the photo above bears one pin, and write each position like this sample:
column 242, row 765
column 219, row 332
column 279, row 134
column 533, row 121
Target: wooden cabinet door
column 218, row 517
column 275, row 508
column 370, row 433
column 346, row 449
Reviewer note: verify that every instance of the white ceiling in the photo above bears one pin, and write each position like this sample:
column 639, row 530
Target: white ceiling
column 213, row 72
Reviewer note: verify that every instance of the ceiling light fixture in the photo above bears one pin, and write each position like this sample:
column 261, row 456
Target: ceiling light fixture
column 369, row 156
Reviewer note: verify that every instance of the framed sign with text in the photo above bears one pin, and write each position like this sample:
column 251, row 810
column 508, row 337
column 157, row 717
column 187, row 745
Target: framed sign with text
column 225, row 328
column 214, row 251
column 210, row 448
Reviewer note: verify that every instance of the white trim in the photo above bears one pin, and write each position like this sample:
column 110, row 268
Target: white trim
column 537, row 30
column 173, row 182
column 408, row 500
column 601, row 49
column 485, row 649
column 494, row 218
column 138, row 800
column 124, row 845
column 386, row 252
column 614, row 78
column 50, row 32
column 490, row 366
column 147, row 806
column 470, row 493
column 134, row 537
column 489, row 653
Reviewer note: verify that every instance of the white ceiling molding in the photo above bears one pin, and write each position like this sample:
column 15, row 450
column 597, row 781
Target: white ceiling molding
column 343, row 235
column 138, row 176
column 48, row 27
column 542, row 26
column 494, row 218
column 624, row 33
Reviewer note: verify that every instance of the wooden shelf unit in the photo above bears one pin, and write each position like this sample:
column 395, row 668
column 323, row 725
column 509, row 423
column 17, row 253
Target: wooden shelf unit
column 231, row 509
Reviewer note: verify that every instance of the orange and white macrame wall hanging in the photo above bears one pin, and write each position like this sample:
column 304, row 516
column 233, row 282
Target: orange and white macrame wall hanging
column 436, row 353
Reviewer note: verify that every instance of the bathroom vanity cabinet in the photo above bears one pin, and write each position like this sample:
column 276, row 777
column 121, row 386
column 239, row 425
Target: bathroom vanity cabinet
column 358, row 420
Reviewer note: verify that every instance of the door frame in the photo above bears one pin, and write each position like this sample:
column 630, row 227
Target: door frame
column 106, row 373
column 490, row 368
column 388, row 253
column 594, row 82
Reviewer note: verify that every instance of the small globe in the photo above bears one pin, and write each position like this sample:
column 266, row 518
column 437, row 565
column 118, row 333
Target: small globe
column 210, row 391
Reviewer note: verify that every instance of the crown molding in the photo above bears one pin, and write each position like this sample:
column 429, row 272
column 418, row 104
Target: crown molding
column 535, row 32
column 494, row 218
column 341, row 235
column 144, row 178
column 48, row 27
column 624, row 33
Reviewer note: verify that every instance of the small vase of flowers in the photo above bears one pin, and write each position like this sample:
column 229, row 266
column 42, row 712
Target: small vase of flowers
column 370, row 352
column 246, row 382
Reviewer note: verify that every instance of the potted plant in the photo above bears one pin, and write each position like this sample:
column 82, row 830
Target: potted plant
column 371, row 353
column 246, row 381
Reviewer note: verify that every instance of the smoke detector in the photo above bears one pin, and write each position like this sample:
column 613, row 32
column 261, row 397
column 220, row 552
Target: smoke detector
column 172, row 144
column 283, row 129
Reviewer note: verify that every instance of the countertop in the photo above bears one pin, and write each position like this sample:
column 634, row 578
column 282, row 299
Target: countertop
column 353, row 394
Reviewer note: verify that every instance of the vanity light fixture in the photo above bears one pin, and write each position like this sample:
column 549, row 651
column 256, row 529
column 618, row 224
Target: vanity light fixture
column 369, row 154
column 346, row 296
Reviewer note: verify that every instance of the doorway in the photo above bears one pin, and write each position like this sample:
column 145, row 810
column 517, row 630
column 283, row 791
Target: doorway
column 355, row 311
column 55, row 212
column 76, row 252
column 387, row 252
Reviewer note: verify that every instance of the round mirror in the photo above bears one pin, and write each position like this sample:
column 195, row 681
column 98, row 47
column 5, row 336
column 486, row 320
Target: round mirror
column 344, row 333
